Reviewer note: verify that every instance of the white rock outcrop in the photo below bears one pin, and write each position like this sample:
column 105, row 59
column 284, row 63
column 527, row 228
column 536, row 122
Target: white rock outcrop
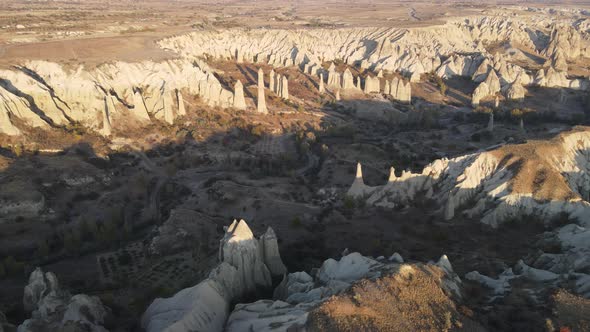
column 55, row 310
column 239, row 101
column 246, row 266
column 261, row 106
column 484, row 178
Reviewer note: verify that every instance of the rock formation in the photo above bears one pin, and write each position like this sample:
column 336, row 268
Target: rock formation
column 322, row 89
column 106, row 122
column 500, row 193
column 359, row 188
column 55, row 310
column 180, row 101
column 347, row 80
column 490, row 127
column 284, row 91
column 372, row 85
column 239, row 101
column 139, row 109
column 261, row 99
column 271, row 81
column 400, row 90
column 246, row 266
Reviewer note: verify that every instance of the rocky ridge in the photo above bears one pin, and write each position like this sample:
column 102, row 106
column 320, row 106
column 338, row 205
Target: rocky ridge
column 543, row 179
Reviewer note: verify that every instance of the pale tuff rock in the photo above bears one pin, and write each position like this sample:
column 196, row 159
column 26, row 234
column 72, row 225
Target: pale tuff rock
column 167, row 109
column 261, row 99
column 206, row 306
column 55, row 310
column 400, row 90
column 333, row 77
column 557, row 61
column 139, row 110
column 347, row 80
column 458, row 65
column 239, row 248
column 239, row 101
column 489, row 87
column 337, row 95
column 40, row 285
column 271, row 81
column 358, row 188
column 6, row 126
column 63, row 96
column 181, row 110
column 380, row 74
column 321, row 88
column 244, row 268
column 482, row 71
column 106, row 122
column 564, row 39
column 515, row 92
column 299, row 293
column 498, row 286
column 372, row 85
column 270, row 253
column 284, row 91
column 482, row 177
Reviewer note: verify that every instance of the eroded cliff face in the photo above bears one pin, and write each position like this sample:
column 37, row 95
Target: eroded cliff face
column 544, row 178
column 247, row 266
column 547, row 180
column 341, row 291
column 44, row 94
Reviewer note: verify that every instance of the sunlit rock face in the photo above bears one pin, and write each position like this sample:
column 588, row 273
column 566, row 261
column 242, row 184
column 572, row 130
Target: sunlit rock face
column 45, row 94
column 487, row 184
column 502, row 185
column 247, row 266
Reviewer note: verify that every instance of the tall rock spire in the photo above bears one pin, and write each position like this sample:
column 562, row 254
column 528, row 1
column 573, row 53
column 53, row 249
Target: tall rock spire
column 322, row 88
column 261, row 101
column 285, row 88
column 181, row 109
column 239, row 101
column 271, row 80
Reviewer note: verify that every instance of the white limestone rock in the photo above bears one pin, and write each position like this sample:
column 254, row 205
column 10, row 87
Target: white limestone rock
column 55, row 310
column 270, row 253
column 372, row 85
column 261, row 99
column 239, row 100
column 358, row 188
column 347, row 80
column 205, row 307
